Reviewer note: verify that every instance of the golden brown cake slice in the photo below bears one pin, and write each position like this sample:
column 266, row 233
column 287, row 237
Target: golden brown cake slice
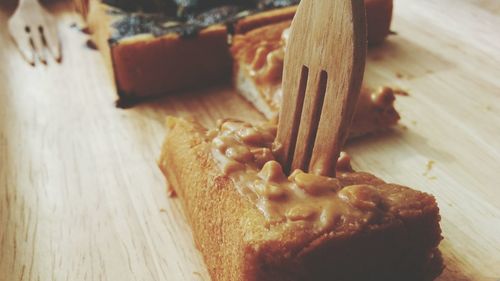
column 150, row 54
column 258, row 67
column 253, row 223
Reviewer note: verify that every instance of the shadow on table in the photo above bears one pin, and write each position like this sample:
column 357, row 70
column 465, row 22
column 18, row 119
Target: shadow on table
column 454, row 272
column 205, row 105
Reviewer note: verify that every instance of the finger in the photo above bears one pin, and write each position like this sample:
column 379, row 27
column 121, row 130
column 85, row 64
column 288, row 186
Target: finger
column 38, row 44
column 51, row 40
column 23, row 41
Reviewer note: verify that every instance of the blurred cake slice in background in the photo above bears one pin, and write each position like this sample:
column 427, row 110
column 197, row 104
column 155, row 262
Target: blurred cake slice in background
column 154, row 47
column 258, row 67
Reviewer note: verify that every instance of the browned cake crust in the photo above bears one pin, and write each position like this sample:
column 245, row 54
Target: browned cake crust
column 238, row 243
column 145, row 66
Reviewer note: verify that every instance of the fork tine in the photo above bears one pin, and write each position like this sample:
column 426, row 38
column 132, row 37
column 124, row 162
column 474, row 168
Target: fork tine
column 311, row 112
column 34, row 29
column 38, row 44
column 52, row 42
column 284, row 145
column 326, row 148
column 23, row 41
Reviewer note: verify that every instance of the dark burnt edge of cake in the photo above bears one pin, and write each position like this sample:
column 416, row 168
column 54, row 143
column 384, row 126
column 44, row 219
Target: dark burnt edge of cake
column 436, row 265
column 158, row 24
column 185, row 8
column 128, row 100
column 186, row 26
column 125, row 99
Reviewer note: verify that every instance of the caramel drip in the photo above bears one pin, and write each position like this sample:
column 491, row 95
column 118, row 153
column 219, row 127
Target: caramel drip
column 243, row 153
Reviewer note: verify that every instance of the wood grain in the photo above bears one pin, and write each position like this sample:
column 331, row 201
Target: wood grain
column 81, row 197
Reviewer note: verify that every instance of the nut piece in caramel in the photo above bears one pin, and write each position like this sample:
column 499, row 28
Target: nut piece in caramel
column 260, row 56
column 252, row 136
column 301, row 213
column 275, row 192
column 262, row 155
column 314, row 184
column 239, row 153
column 271, row 191
column 231, row 125
column 383, row 98
column 222, row 143
column 344, row 162
column 361, row 196
column 272, row 172
column 232, row 166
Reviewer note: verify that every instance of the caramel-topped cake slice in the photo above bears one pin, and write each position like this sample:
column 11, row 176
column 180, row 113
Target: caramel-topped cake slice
column 258, row 67
column 252, row 222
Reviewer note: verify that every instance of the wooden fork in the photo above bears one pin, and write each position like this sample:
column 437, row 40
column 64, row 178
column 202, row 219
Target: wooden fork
column 323, row 71
column 34, row 30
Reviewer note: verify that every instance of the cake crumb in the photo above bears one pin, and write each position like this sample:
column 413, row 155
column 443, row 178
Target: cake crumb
column 85, row 30
column 171, row 193
column 400, row 75
column 400, row 92
column 428, row 167
column 91, row 44
column 127, row 101
column 163, row 210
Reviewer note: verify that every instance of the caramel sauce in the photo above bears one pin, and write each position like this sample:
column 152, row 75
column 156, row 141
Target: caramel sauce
column 243, row 152
column 262, row 58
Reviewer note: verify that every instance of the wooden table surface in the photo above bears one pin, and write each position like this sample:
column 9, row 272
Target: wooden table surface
column 81, row 197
